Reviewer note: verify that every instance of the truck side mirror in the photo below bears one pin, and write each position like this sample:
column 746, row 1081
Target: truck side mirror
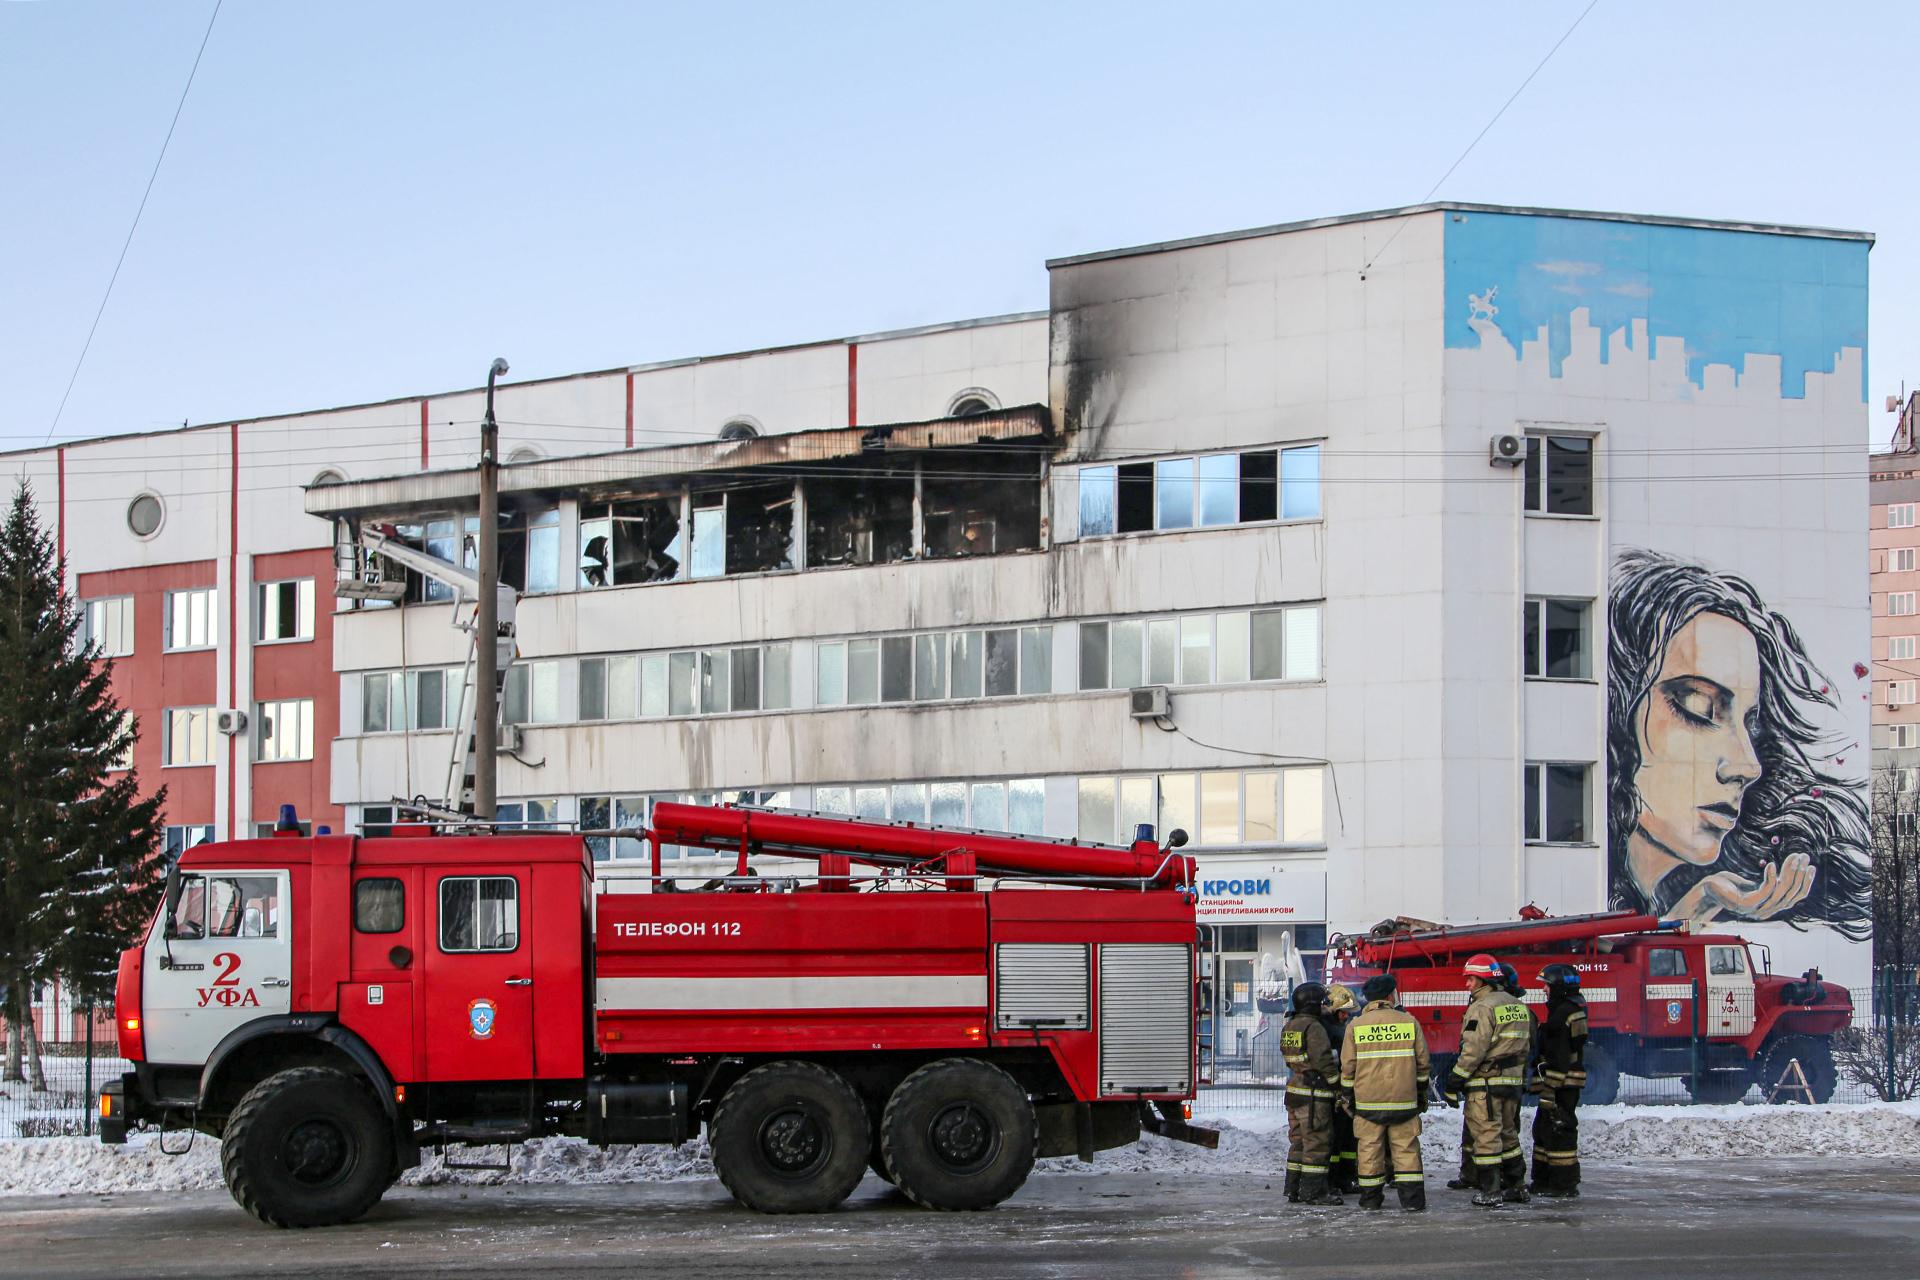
column 172, row 899
column 1176, row 838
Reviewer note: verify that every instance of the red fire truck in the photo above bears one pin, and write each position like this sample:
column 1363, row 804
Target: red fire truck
column 1652, row 992
column 941, row 1006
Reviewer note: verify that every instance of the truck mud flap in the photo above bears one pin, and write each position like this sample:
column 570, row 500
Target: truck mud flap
column 1082, row 1128
column 1170, row 1123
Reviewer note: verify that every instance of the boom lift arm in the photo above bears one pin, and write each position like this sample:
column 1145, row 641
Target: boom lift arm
column 359, row 564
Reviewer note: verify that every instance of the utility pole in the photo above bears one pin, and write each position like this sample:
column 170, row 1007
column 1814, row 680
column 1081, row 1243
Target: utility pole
column 486, row 623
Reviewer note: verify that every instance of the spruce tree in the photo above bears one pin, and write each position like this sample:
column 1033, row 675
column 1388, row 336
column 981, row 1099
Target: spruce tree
column 78, row 873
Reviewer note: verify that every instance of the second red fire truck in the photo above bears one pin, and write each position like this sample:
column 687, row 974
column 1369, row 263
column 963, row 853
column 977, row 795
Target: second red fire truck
column 939, row 1006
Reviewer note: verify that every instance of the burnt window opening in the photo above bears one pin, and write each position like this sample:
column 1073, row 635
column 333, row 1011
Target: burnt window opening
column 862, row 515
column 980, row 504
column 744, row 529
column 529, row 544
column 637, row 540
column 1136, row 497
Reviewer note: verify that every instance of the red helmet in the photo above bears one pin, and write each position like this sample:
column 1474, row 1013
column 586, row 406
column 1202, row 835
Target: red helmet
column 1483, row 967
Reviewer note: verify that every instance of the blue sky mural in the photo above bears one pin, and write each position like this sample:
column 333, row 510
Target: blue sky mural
column 1725, row 293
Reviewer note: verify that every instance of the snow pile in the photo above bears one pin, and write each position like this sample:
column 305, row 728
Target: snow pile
column 1254, row 1143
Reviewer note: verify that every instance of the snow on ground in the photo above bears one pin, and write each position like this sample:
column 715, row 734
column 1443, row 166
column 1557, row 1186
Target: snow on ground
column 1251, row 1143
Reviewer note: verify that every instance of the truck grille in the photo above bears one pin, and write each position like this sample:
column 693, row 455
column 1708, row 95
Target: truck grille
column 1146, row 1018
column 1040, row 985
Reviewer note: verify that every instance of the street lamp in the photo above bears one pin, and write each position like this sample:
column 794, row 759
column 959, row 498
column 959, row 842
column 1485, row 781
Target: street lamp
column 486, row 622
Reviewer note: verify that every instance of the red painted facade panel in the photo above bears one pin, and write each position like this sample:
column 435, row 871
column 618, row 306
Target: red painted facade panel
column 299, row 669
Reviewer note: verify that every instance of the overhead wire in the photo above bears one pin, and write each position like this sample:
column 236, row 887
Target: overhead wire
column 128, row 243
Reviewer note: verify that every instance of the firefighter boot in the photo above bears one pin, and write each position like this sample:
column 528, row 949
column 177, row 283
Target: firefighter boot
column 1461, row 1183
column 1515, row 1194
column 1372, row 1197
column 1314, row 1190
column 1293, row 1186
column 1413, row 1196
column 1488, row 1194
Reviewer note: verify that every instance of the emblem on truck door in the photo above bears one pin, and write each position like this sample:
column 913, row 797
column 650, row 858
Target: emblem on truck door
column 480, row 1019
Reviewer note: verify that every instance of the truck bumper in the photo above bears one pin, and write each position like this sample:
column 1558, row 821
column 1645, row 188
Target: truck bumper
column 114, row 1099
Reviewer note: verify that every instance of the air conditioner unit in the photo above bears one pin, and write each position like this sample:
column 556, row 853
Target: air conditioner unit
column 1506, row 450
column 1149, row 703
column 230, row 722
column 507, row 741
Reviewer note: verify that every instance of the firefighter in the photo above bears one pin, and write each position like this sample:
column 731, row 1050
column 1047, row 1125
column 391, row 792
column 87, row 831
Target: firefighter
column 1383, row 1080
column 1512, row 1168
column 1495, row 1037
column 1342, row 1169
column 1312, row 1067
column 1561, row 1075
column 1513, row 1165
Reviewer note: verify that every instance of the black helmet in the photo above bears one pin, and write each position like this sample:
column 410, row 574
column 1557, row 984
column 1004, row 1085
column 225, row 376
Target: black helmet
column 1308, row 997
column 1510, row 980
column 1380, row 986
column 1562, row 976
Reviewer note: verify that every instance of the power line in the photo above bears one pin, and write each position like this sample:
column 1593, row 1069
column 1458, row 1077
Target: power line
column 1461, row 158
column 128, row 244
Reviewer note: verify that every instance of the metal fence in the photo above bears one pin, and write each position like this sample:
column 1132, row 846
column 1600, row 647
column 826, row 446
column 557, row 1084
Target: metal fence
column 1695, row 1050
column 72, row 1073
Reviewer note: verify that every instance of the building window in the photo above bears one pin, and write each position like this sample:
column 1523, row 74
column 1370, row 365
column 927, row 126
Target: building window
column 1903, row 559
column 740, row 429
column 1003, row 662
column 182, row 838
column 1555, row 643
column 1556, row 803
column 376, row 820
column 1559, row 475
column 145, row 515
column 1900, row 515
column 124, row 760
column 1906, row 781
column 1907, row 824
column 264, row 830
column 283, row 730
column 528, row 815
column 283, row 611
column 190, row 735
column 1900, row 693
column 396, row 701
column 1206, row 491
column 1902, row 648
column 532, row 693
column 639, row 540
column 192, row 619
column 972, row 402
column 1216, row 808
column 1899, row 603
column 1226, row 648
column 1903, row 736
column 108, row 623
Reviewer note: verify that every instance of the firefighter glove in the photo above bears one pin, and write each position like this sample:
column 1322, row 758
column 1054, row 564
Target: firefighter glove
column 1345, row 1102
column 1452, row 1095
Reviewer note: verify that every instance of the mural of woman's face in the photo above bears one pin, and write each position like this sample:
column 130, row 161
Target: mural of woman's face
column 1697, row 756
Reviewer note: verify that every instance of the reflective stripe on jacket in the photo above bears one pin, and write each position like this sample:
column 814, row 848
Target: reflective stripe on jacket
column 1496, row 1038
column 1310, row 1058
column 1383, row 1059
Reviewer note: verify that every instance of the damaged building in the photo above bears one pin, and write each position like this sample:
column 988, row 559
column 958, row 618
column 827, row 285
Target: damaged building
column 1352, row 503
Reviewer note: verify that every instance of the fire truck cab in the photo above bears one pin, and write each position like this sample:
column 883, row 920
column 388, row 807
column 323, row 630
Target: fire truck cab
column 329, row 1006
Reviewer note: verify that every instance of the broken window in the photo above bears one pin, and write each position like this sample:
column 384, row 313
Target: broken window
column 638, row 540
column 1136, row 497
column 978, row 503
column 759, row 528
column 861, row 514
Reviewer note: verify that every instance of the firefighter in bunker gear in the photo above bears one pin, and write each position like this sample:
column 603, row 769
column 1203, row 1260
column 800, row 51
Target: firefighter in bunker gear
column 1343, row 1171
column 1496, row 1038
column 1312, row 1068
column 1558, row 1079
column 1383, row 1076
column 1515, row 1167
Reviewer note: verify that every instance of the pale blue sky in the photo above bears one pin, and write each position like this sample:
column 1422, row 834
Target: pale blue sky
column 372, row 200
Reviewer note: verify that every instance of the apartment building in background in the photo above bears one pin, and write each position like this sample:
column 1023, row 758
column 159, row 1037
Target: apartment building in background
column 1895, row 557
column 1416, row 518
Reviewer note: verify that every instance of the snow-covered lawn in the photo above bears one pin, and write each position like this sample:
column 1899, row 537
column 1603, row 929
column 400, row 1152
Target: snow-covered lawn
column 1251, row 1143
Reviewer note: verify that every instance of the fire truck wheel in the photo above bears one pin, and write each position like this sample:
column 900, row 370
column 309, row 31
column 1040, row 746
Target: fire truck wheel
column 307, row 1147
column 959, row 1134
column 790, row 1137
column 1603, row 1076
column 1816, row 1063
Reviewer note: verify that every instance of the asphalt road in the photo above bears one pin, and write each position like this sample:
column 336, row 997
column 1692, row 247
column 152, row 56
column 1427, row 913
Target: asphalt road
column 1751, row 1218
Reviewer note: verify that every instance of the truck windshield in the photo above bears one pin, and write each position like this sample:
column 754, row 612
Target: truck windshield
column 1723, row 961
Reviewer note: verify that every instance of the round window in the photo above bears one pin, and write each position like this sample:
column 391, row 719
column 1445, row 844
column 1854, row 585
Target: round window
column 143, row 515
